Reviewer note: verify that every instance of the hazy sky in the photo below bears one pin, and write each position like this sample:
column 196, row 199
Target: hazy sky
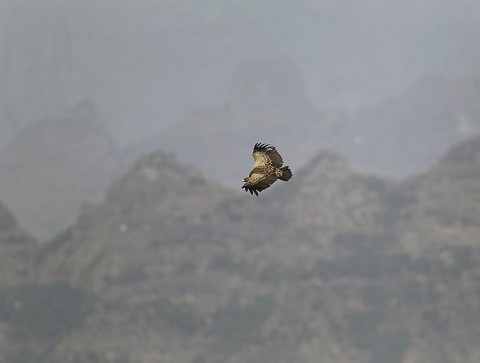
column 147, row 64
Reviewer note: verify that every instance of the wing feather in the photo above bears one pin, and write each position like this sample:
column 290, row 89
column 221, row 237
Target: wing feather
column 266, row 154
column 259, row 180
column 275, row 157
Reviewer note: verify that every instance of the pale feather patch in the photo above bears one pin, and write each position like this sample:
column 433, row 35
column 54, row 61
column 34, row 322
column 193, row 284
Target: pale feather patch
column 261, row 158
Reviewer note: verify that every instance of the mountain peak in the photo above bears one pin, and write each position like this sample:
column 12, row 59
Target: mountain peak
column 326, row 165
column 158, row 173
column 467, row 151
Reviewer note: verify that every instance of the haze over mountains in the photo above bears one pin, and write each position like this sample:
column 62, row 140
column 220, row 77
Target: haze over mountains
column 55, row 165
column 396, row 138
column 147, row 65
column 127, row 127
column 389, row 85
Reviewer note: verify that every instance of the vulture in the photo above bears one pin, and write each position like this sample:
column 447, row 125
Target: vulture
column 267, row 169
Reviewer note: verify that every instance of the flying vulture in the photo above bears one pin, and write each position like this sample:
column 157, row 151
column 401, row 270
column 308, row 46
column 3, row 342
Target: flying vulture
column 267, row 169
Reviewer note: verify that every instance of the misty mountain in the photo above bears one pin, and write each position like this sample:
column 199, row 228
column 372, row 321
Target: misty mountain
column 267, row 101
column 53, row 166
column 405, row 135
column 335, row 264
column 174, row 263
column 157, row 62
column 396, row 137
column 389, row 86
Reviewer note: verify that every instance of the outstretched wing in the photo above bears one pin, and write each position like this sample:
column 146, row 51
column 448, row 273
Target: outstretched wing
column 266, row 154
column 259, row 180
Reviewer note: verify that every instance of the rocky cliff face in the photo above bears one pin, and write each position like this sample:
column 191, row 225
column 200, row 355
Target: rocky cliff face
column 335, row 264
column 18, row 251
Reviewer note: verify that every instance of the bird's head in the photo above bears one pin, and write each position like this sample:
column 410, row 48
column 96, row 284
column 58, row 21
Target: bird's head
column 245, row 180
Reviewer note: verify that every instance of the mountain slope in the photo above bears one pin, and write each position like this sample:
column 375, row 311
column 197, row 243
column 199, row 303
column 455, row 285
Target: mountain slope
column 335, row 264
column 17, row 251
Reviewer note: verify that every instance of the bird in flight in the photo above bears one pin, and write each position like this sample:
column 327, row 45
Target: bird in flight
column 267, row 169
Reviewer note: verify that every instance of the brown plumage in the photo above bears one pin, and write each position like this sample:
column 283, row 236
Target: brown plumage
column 267, row 169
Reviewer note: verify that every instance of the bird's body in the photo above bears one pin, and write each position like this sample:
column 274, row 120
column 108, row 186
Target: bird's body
column 267, row 169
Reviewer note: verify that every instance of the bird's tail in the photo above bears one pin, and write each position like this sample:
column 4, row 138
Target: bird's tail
column 286, row 173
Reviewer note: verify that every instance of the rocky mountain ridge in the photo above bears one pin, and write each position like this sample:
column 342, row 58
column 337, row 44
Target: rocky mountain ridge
column 335, row 265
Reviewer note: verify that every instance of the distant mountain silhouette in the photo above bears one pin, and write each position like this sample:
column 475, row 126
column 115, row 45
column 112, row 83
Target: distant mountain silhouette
column 57, row 164
column 407, row 134
column 53, row 166
column 396, row 138
column 266, row 103
column 350, row 55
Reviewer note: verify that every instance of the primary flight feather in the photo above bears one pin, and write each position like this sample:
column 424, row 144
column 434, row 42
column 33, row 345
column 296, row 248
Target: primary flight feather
column 267, row 169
